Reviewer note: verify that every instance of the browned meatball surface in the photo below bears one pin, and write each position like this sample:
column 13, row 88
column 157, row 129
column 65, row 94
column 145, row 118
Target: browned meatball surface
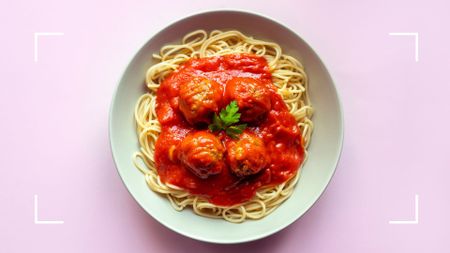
column 202, row 153
column 251, row 95
column 199, row 99
column 247, row 156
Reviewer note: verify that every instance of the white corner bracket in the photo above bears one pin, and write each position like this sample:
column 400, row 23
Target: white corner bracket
column 416, row 37
column 36, row 217
column 416, row 215
column 36, row 41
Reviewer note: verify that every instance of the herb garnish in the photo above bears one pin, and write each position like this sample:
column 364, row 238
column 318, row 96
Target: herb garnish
column 225, row 120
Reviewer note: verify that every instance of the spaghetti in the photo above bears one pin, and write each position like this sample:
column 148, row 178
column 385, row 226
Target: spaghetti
column 288, row 76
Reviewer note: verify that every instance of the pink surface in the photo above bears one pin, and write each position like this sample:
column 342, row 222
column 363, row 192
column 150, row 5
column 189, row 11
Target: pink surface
column 54, row 126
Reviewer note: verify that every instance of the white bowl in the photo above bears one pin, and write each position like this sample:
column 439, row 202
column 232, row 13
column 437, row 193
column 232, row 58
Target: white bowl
column 324, row 150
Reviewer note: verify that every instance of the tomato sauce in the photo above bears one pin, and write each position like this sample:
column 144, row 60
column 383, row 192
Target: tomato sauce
column 278, row 129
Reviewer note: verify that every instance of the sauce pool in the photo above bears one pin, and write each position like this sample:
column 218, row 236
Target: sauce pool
column 278, row 129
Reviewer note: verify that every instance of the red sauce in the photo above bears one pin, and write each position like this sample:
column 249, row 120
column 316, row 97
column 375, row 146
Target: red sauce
column 278, row 129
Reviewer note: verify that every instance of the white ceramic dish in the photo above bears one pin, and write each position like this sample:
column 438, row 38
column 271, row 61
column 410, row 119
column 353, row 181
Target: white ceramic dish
column 324, row 150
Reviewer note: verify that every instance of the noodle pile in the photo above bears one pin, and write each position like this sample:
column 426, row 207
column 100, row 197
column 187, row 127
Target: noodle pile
column 288, row 76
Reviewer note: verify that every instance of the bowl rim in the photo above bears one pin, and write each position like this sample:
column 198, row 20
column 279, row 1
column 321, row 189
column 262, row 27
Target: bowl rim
column 231, row 11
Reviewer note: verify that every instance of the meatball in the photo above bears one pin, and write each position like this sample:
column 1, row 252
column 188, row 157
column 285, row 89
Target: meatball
column 202, row 153
column 199, row 99
column 251, row 95
column 247, row 156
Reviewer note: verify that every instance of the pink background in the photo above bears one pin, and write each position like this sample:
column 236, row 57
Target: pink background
column 54, row 126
